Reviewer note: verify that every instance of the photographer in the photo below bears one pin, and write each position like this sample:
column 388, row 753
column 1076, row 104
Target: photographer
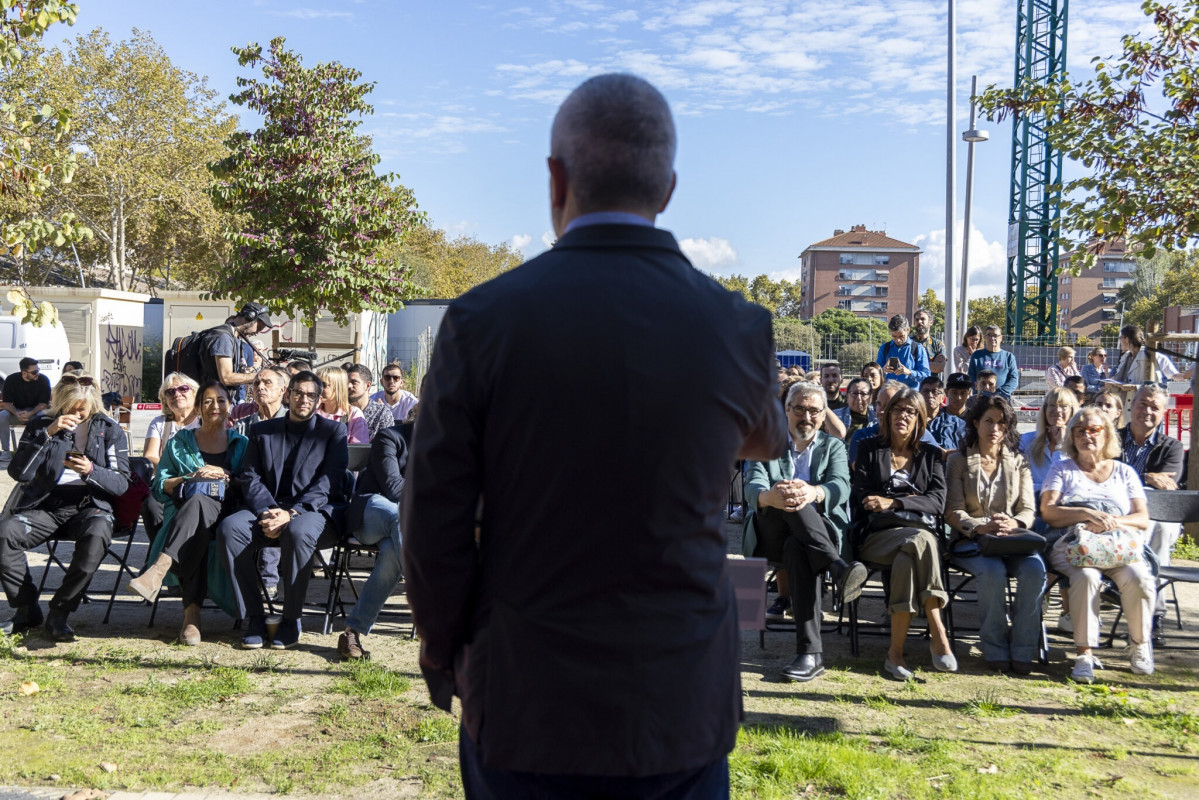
column 222, row 357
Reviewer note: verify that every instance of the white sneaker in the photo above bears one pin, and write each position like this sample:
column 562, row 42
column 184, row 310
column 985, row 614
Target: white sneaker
column 1141, row 659
column 5, row 457
column 1084, row 669
column 1064, row 624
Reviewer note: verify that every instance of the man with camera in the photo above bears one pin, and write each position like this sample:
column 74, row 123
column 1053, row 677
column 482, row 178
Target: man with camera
column 223, row 358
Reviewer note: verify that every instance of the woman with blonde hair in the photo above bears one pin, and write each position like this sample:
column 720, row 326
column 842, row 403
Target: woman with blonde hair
column 177, row 394
column 1056, row 375
column 1092, row 490
column 71, row 464
column 1095, row 371
column 1043, row 446
column 335, row 405
column 1110, row 401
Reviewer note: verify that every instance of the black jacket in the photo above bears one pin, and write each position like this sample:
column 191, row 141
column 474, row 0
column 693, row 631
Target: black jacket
column 38, row 462
column 384, row 474
column 594, row 399
column 318, row 476
column 872, row 472
column 1165, row 456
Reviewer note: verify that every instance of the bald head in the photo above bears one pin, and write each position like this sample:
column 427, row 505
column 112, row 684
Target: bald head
column 612, row 149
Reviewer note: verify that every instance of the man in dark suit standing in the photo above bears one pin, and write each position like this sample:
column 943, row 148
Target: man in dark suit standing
column 590, row 628
column 292, row 478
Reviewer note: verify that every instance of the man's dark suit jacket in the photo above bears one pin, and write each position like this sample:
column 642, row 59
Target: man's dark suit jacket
column 1166, row 456
column 594, row 399
column 317, row 476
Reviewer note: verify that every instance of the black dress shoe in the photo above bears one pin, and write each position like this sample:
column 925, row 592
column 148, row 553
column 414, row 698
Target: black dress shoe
column 851, row 581
column 1158, row 633
column 1022, row 668
column 26, row 619
column 998, row 666
column 805, row 667
column 57, row 627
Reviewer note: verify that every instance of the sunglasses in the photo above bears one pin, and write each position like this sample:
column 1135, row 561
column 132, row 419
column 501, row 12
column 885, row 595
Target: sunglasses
column 1093, row 430
column 178, row 391
column 33, row 373
column 70, row 380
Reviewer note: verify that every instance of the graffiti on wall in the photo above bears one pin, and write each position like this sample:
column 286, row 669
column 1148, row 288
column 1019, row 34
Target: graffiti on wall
column 121, row 360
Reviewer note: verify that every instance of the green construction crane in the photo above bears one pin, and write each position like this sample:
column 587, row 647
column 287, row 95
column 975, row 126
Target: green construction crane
column 1033, row 255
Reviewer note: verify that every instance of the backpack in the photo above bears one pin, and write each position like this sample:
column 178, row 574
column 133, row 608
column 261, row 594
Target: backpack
column 189, row 355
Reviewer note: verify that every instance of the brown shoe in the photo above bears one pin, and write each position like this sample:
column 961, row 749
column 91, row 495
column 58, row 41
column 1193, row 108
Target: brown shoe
column 349, row 645
column 190, row 634
column 149, row 583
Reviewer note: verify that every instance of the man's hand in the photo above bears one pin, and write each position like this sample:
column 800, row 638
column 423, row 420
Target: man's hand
column 273, row 521
column 65, row 422
column 81, row 464
column 1160, row 480
column 23, row 416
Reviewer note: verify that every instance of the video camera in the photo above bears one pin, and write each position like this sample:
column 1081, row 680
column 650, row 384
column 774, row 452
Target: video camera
column 288, row 354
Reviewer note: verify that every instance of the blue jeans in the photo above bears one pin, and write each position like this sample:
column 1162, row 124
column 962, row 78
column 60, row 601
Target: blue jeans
column 380, row 526
column 991, row 573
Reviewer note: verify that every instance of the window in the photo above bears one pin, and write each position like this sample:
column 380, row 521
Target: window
column 1115, row 283
column 865, row 259
column 1064, row 296
column 881, row 259
column 1064, row 280
column 1109, row 298
column 1109, row 313
column 861, row 290
column 1116, row 266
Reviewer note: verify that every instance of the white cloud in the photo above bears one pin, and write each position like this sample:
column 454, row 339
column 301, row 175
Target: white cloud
column 709, row 255
column 312, row 13
column 521, row 240
column 548, row 238
column 988, row 263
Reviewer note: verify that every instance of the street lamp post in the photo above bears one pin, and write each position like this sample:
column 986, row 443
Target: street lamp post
column 950, row 181
column 972, row 136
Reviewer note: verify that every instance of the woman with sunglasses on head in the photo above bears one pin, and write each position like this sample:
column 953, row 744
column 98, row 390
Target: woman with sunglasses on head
column 1095, row 371
column 1090, row 487
column 898, row 489
column 187, row 484
column 177, row 394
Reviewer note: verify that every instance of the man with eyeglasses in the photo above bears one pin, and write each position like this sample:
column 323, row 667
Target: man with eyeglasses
column 26, row 394
column 946, row 428
column 1001, row 362
column 800, row 505
column 291, row 482
column 399, row 401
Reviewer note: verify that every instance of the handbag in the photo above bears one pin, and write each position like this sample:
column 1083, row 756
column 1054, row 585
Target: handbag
column 210, row 487
column 898, row 518
column 1020, row 543
column 1086, row 548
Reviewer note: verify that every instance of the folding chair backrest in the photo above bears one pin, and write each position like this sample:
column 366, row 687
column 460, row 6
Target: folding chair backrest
column 1173, row 506
column 359, row 455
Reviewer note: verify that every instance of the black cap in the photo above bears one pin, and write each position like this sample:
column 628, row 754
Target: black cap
column 958, row 380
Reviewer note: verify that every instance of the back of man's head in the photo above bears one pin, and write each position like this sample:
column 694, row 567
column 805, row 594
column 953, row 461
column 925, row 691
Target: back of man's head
column 615, row 138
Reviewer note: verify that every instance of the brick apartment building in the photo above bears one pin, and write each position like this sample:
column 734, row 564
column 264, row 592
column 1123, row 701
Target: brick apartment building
column 866, row 272
column 1088, row 302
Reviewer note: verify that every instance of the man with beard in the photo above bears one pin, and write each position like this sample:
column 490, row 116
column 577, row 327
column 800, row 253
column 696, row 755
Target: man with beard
column 922, row 322
column 801, row 510
column 830, row 379
column 378, row 416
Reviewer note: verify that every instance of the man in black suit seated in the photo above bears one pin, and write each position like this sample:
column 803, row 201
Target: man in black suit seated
column 292, row 477
column 1157, row 458
column 595, row 650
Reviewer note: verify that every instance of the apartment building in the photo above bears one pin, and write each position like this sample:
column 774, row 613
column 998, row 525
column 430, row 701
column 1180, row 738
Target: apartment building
column 1088, row 302
column 865, row 272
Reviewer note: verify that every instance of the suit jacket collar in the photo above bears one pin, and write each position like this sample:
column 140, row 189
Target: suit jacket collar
column 635, row 236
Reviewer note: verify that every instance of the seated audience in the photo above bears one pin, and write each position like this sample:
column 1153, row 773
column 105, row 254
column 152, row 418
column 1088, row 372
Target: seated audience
column 293, row 476
column 26, row 394
column 265, row 400
column 1110, row 401
column 1043, row 446
column 373, row 518
column 1091, row 488
column 857, row 413
column 360, row 381
column 1076, row 384
column 902, row 358
column 830, row 380
column 399, row 400
column 990, row 494
column 335, row 405
column 1158, row 461
column 945, row 428
column 873, row 373
column 957, row 394
column 799, row 503
column 971, row 340
column 1056, row 375
column 873, row 429
column 204, row 456
column 898, row 489
column 72, row 462
column 1094, row 372
column 1001, row 362
column 795, row 372
column 177, row 395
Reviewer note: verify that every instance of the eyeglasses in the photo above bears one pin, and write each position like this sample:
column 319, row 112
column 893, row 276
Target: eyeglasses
column 933, row 392
column 309, row 396
column 178, row 391
column 71, row 380
column 805, row 411
column 903, row 411
column 1089, row 430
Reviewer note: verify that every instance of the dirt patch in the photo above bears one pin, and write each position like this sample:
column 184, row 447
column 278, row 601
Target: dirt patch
column 258, row 734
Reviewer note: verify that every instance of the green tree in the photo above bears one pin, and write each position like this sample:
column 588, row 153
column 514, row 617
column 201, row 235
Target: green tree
column 314, row 216
column 445, row 268
column 853, row 356
column 934, row 305
column 781, row 298
column 986, row 311
column 1135, row 127
column 842, row 325
column 792, row 334
column 1141, row 299
column 33, row 154
column 146, row 132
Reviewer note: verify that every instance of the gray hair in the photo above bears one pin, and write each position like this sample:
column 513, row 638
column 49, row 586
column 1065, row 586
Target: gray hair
column 806, row 389
column 1152, row 388
column 615, row 138
column 898, row 323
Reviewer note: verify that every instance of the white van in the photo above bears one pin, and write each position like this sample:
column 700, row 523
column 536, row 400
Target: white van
column 47, row 344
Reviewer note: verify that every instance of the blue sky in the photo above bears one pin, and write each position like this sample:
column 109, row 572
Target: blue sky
column 794, row 118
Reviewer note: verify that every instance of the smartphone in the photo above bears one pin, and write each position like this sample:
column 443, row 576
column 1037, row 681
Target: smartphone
column 75, row 454
column 893, row 363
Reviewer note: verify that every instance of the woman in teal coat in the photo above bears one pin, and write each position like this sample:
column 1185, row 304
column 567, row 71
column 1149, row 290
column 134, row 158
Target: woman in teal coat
column 208, row 457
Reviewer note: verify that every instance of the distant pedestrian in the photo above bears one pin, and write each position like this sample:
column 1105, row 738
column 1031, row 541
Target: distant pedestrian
column 999, row 361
